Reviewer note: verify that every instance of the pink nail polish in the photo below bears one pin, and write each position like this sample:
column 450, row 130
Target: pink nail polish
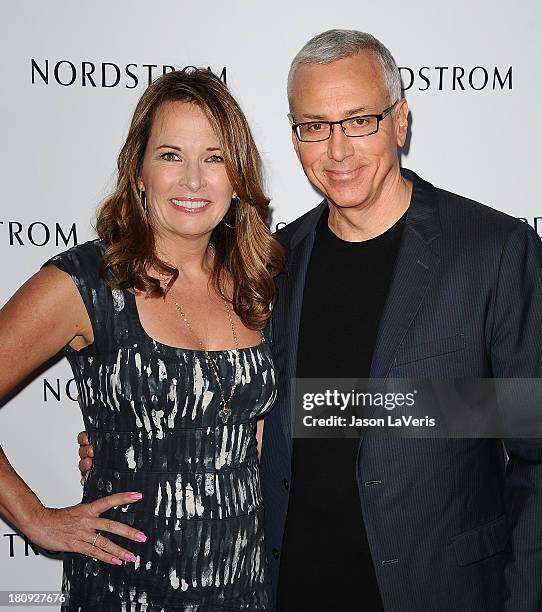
column 116, row 561
column 136, row 496
column 141, row 537
column 130, row 557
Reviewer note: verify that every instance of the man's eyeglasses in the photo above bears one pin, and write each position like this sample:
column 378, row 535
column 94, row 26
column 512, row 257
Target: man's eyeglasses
column 354, row 127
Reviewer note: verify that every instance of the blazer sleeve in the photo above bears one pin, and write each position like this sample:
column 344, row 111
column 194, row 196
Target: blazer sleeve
column 516, row 352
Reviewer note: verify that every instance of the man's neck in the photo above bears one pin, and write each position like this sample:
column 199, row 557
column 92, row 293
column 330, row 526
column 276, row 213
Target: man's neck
column 356, row 224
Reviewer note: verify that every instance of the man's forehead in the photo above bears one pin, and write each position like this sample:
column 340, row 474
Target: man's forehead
column 319, row 91
column 360, row 74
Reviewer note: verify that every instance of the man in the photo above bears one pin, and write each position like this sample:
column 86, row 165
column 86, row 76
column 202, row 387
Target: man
column 391, row 277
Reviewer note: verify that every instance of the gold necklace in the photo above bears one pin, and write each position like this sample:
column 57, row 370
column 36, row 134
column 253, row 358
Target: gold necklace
column 225, row 411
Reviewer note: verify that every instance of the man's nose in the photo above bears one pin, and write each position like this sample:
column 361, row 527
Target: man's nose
column 339, row 146
column 193, row 176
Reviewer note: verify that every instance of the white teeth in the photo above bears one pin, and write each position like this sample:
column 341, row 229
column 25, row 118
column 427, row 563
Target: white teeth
column 190, row 204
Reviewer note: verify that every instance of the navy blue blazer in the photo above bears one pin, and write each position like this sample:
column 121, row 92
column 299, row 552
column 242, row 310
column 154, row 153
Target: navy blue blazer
column 451, row 526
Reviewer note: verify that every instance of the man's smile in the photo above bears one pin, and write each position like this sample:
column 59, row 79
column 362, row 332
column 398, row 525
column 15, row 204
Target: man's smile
column 342, row 175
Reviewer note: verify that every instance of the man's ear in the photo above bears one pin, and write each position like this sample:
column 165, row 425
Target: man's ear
column 401, row 122
column 295, row 141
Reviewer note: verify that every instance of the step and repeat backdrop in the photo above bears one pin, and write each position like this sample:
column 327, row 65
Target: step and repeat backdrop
column 72, row 72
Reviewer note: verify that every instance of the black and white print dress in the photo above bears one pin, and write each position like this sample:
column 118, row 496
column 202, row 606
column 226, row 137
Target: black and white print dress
column 152, row 414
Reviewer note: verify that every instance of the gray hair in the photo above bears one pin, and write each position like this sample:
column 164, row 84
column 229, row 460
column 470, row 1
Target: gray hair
column 333, row 45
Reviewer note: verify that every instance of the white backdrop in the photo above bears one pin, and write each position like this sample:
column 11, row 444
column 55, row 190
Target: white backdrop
column 474, row 89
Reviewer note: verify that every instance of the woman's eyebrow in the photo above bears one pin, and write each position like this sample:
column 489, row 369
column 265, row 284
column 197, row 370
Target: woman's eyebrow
column 167, row 146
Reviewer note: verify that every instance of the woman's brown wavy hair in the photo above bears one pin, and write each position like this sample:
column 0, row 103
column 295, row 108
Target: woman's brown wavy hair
column 243, row 247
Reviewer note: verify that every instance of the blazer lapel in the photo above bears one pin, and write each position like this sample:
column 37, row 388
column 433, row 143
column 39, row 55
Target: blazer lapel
column 417, row 262
column 287, row 315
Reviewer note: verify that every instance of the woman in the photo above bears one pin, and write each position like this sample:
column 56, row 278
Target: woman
column 171, row 517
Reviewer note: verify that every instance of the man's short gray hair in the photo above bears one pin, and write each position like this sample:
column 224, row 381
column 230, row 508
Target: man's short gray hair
column 333, row 45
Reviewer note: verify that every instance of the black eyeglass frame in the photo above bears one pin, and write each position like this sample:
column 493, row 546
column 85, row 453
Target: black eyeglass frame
column 378, row 118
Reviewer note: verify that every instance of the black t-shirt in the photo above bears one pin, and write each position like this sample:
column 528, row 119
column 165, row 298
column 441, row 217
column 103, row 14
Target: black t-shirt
column 326, row 562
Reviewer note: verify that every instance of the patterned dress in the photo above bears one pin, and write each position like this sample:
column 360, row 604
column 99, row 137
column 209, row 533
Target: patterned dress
column 151, row 411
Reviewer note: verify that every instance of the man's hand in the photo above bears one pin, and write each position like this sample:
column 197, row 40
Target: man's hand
column 86, row 452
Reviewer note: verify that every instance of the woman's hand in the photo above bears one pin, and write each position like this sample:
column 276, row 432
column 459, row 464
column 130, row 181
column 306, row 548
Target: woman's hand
column 80, row 529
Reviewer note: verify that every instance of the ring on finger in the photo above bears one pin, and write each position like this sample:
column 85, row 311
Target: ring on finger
column 98, row 534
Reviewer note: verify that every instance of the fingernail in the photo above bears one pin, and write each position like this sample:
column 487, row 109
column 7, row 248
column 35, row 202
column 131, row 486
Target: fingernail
column 136, row 496
column 141, row 537
column 116, row 561
column 130, row 557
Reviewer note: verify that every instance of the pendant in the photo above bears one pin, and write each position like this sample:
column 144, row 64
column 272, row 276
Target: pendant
column 224, row 413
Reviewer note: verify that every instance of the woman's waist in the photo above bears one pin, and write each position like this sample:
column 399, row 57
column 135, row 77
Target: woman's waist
column 197, row 449
column 192, row 494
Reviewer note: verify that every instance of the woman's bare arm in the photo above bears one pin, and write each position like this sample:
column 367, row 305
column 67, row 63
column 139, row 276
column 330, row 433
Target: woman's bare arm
column 44, row 315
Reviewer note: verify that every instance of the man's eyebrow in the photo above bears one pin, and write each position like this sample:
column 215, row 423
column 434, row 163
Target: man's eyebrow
column 348, row 113
column 313, row 117
column 175, row 148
